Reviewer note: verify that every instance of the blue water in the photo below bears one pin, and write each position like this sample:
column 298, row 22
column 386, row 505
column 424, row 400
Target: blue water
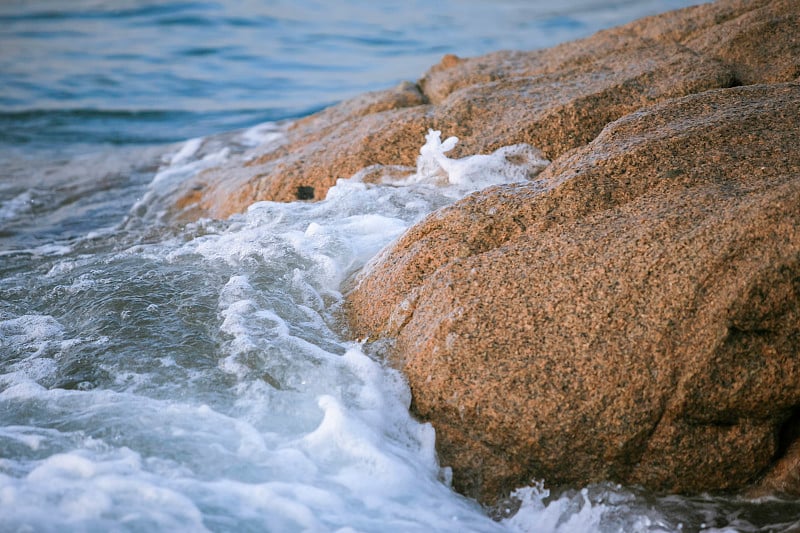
column 145, row 71
column 158, row 375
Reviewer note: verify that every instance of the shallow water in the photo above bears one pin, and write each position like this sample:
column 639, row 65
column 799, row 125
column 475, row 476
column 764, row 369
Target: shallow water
column 157, row 376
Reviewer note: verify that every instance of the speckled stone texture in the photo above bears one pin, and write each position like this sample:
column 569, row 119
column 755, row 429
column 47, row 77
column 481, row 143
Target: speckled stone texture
column 554, row 99
column 633, row 315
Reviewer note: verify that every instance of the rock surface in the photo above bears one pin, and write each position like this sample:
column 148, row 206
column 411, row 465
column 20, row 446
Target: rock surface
column 632, row 315
column 554, row 99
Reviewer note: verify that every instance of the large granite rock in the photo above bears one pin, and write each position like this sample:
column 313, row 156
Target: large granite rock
column 632, row 315
column 554, row 99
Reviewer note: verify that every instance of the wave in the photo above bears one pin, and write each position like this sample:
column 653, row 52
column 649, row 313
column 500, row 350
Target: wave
column 48, row 127
column 109, row 12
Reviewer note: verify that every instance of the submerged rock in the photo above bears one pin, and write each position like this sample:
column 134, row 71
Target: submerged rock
column 632, row 315
column 555, row 99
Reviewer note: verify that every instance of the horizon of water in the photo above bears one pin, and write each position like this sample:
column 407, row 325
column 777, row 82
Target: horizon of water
column 157, row 376
column 158, row 71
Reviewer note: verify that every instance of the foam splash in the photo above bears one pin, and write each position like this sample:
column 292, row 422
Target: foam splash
column 509, row 164
column 12, row 208
column 603, row 508
column 266, row 135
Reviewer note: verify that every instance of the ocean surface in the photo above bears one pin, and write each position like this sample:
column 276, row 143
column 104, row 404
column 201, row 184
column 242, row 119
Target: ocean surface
column 164, row 376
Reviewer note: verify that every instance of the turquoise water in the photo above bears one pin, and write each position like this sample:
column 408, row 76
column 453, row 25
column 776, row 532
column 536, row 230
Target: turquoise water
column 157, row 376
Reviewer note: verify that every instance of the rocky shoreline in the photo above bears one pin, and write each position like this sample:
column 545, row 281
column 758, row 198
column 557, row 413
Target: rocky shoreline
column 630, row 314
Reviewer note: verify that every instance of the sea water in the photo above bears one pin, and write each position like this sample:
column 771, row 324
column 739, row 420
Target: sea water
column 166, row 376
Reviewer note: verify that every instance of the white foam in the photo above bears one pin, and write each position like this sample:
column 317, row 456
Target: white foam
column 68, row 265
column 19, row 387
column 30, row 329
column 106, row 493
column 191, row 158
column 351, row 467
column 187, row 150
column 363, row 457
column 184, row 165
column 23, row 435
column 29, row 336
column 16, row 206
column 596, row 508
column 51, row 249
column 267, row 135
column 33, row 370
column 534, row 516
column 509, row 164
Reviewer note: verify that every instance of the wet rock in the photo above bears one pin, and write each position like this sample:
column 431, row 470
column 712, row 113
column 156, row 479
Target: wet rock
column 555, row 99
column 632, row 315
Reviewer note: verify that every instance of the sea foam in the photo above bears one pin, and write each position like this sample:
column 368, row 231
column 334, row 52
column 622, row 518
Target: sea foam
column 508, row 164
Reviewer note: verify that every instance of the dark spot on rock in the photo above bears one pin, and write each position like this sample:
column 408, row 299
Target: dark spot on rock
column 734, row 82
column 305, row 192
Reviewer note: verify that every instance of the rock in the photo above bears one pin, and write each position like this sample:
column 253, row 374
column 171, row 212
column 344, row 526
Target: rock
column 555, row 99
column 631, row 315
